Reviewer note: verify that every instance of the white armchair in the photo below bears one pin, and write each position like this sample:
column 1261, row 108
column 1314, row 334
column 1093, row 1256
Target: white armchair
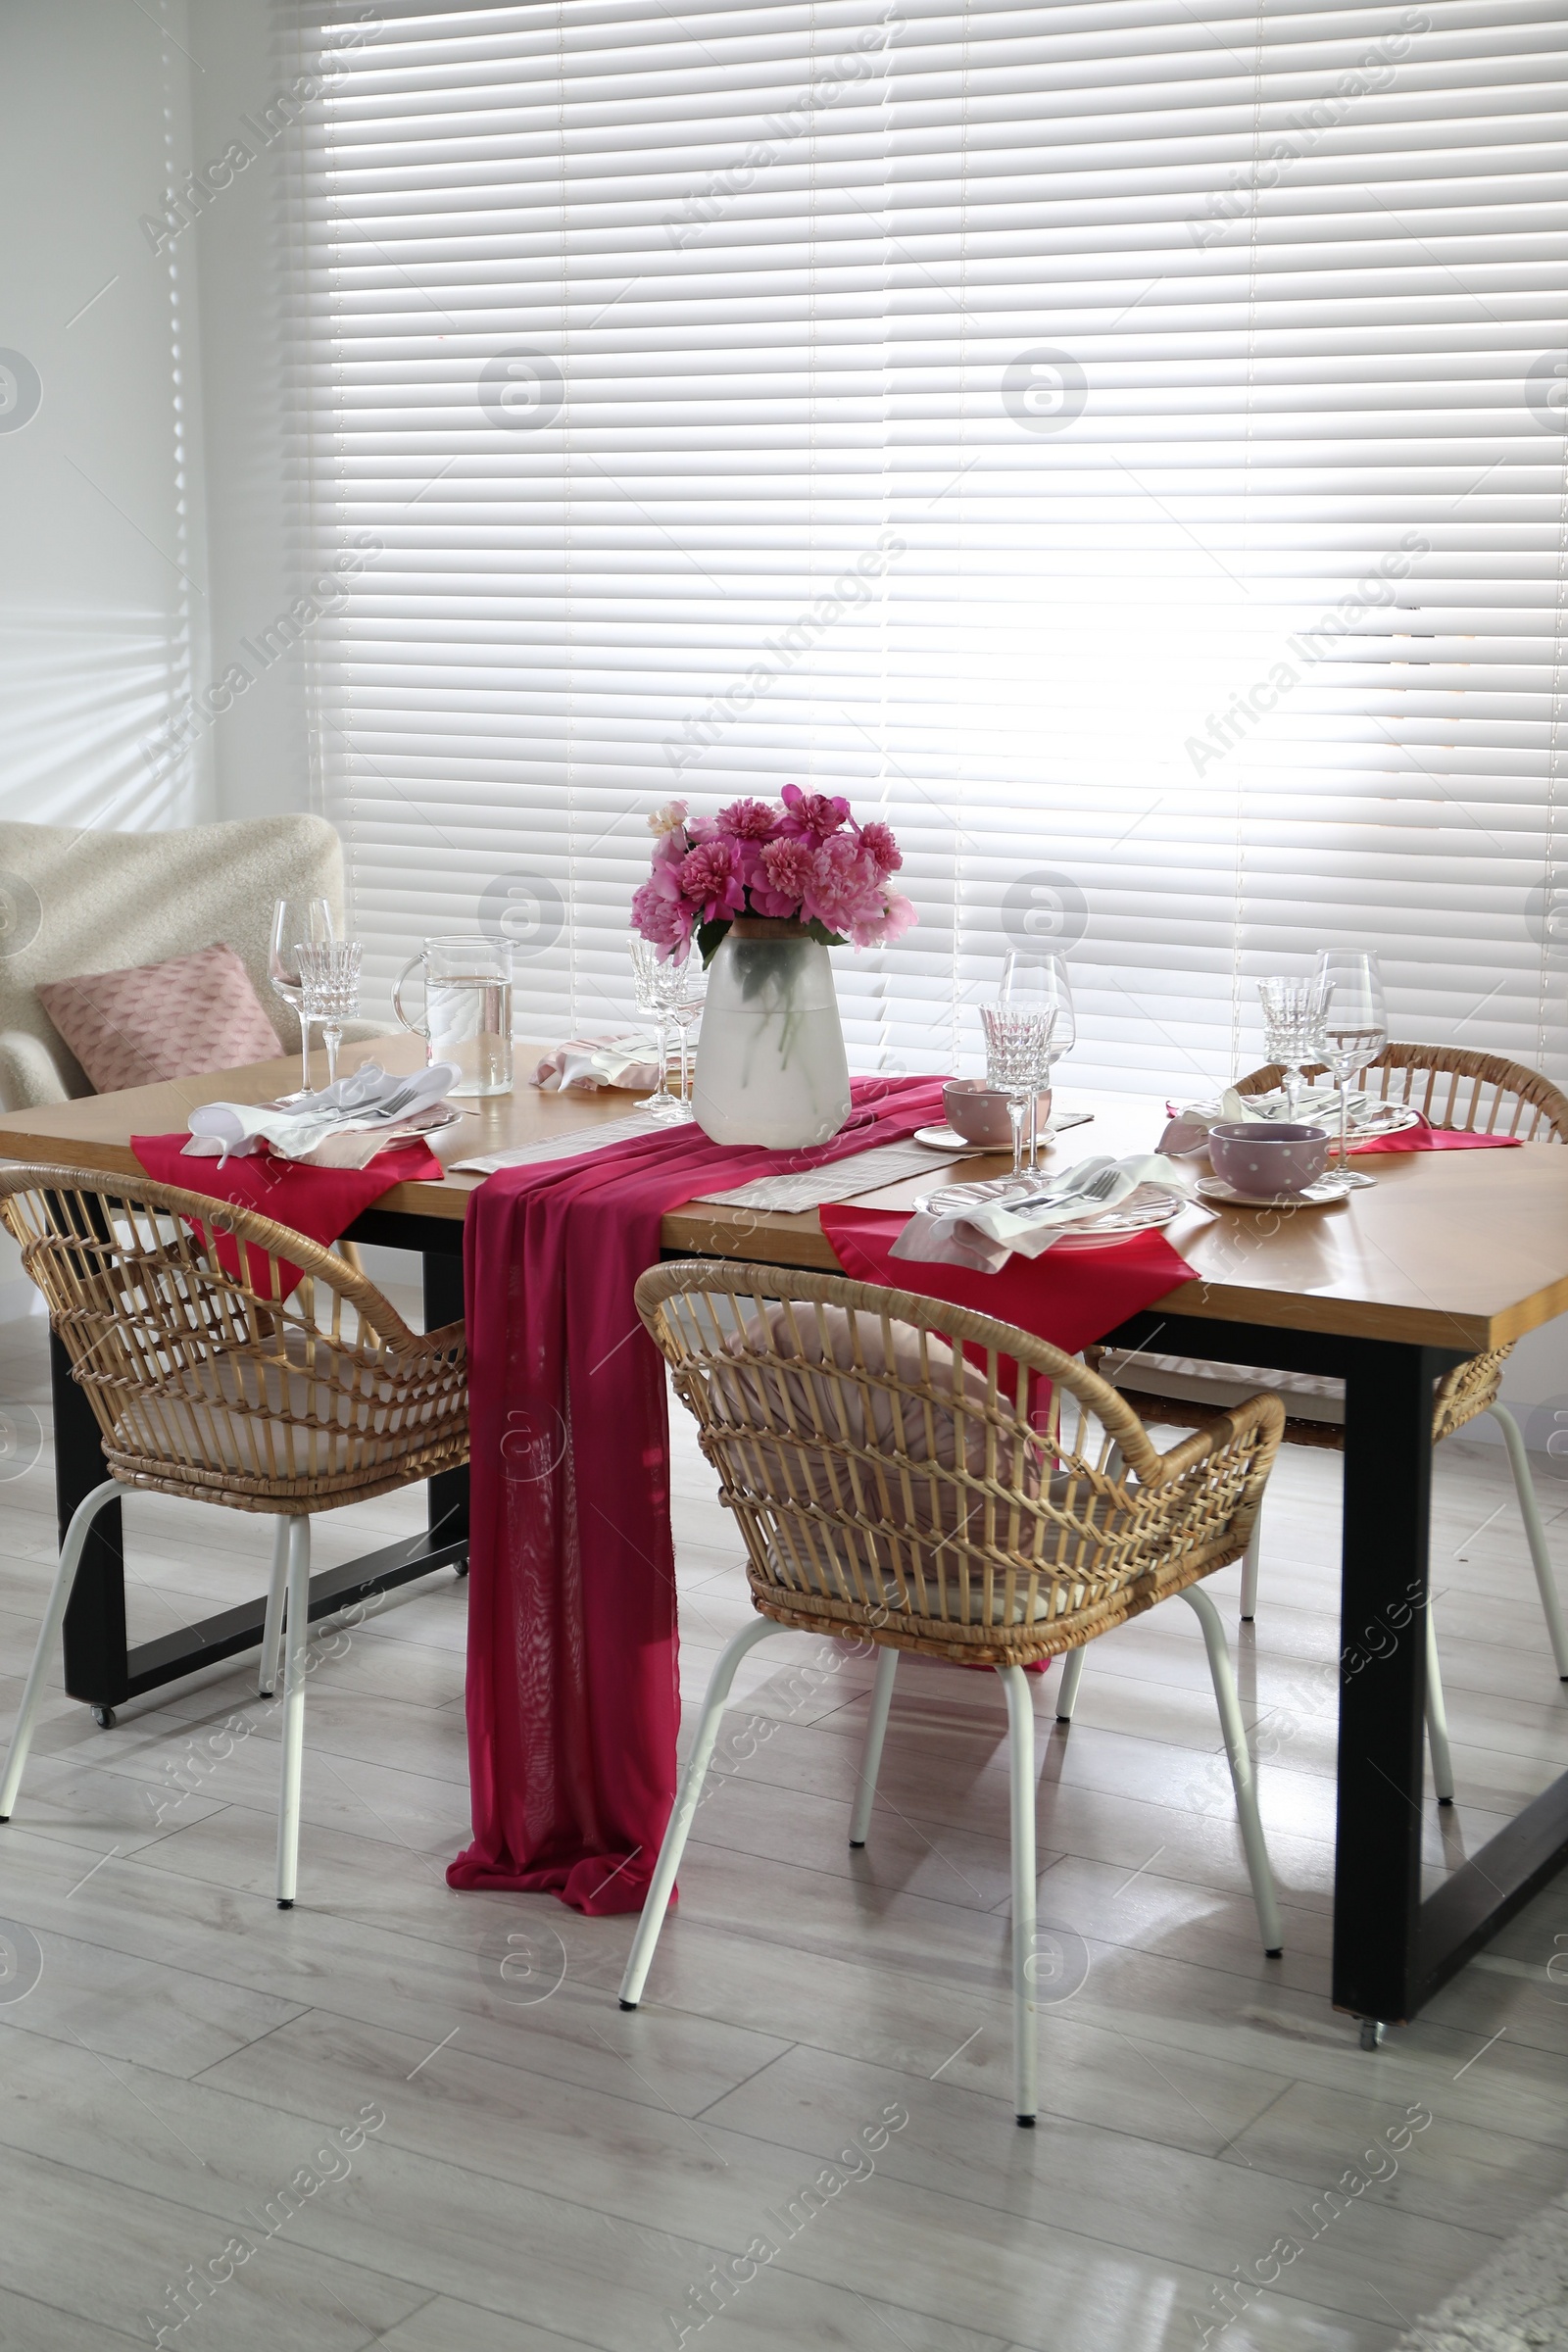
column 74, row 902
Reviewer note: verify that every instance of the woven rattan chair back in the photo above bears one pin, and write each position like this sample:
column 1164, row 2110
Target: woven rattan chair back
column 1482, row 1093
column 878, row 1452
column 205, row 1379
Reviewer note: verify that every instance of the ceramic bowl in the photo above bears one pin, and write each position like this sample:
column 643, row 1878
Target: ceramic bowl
column 979, row 1112
column 1263, row 1159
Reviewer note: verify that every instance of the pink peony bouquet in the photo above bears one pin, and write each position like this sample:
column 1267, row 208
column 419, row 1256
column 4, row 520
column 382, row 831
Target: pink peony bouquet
column 806, row 862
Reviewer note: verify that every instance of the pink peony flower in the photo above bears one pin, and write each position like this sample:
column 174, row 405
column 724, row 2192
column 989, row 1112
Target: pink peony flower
column 661, row 914
column 749, row 820
column 812, row 816
column 845, row 888
column 876, row 839
column 880, row 931
column 710, row 879
column 788, row 869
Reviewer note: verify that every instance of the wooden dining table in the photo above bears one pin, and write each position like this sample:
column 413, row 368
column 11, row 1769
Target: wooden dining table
column 1447, row 1256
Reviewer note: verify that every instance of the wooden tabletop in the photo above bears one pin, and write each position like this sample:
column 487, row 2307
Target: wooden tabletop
column 1460, row 1250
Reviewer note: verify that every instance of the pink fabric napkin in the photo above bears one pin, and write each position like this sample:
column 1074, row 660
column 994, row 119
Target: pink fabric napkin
column 1426, row 1137
column 319, row 1202
column 591, row 1064
column 1071, row 1298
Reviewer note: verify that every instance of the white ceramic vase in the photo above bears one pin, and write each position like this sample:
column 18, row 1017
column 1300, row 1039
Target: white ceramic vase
column 770, row 1064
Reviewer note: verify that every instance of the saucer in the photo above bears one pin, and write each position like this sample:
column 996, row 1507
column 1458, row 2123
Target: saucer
column 948, row 1139
column 1321, row 1194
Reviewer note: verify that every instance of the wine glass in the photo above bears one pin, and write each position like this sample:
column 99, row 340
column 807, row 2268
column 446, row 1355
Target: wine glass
column 1041, row 984
column 295, row 919
column 329, row 982
column 1352, row 1031
column 1017, row 1060
column 1291, row 1016
column 655, row 989
column 688, row 992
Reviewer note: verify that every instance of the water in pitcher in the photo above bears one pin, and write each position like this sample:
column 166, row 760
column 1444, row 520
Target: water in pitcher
column 470, row 1024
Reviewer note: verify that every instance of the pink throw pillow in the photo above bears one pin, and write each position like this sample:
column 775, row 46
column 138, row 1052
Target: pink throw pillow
column 178, row 1019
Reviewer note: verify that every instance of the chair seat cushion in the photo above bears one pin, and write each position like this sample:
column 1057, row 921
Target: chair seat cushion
column 155, row 1021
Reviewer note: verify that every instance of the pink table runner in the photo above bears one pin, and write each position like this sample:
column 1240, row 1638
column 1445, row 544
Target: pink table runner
column 573, row 1701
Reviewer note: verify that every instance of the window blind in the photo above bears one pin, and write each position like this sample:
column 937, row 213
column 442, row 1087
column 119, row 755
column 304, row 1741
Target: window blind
column 1120, row 442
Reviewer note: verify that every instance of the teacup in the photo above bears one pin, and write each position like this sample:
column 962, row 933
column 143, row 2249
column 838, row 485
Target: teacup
column 1262, row 1158
column 979, row 1112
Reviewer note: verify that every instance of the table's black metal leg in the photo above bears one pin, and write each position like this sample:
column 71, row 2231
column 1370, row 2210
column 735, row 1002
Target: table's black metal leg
column 97, row 1668
column 1388, row 1510
column 449, row 1493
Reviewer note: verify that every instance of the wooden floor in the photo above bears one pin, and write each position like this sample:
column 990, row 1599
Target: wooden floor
column 552, row 2171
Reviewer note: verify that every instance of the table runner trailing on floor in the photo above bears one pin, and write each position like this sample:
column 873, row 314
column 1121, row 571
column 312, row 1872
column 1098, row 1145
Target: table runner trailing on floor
column 574, row 1699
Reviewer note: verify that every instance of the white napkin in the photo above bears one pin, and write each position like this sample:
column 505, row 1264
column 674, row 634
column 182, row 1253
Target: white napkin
column 985, row 1235
column 591, row 1063
column 369, row 1099
column 1189, row 1122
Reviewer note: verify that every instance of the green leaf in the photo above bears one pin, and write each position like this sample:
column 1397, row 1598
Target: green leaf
column 820, row 931
column 709, row 936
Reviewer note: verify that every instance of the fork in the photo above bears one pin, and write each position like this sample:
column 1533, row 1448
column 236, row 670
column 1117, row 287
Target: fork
column 1098, row 1188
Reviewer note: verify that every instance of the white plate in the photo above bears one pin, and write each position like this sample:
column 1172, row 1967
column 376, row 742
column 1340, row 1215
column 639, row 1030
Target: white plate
column 1150, row 1206
column 1322, row 1195
column 1369, row 1115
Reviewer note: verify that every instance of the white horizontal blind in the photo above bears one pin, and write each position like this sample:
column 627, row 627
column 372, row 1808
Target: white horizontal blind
column 1122, row 442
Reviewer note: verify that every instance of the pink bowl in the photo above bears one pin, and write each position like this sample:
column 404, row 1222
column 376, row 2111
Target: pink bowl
column 979, row 1112
column 1258, row 1157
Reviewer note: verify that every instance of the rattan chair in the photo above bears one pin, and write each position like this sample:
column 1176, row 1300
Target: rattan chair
column 877, row 1452
column 1479, row 1093
column 207, row 1382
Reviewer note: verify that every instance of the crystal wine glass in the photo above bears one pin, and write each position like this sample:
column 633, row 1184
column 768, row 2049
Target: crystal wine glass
column 688, row 992
column 655, row 989
column 1352, row 1031
column 295, row 919
column 1291, row 1016
column 330, row 978
column 1017, row 1060
column 1040, row 984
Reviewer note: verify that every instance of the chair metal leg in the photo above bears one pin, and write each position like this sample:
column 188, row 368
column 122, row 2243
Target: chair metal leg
column 1241, row 1764
column 1535, row 1534
column 1249, row 1563
column 1438, row 1718
column 272, row 1628
column 70, row 1552
column 1021, row 1747
column 877, row 1729
column 680, row 1820
column 1072, row 1674
column 294, row 1668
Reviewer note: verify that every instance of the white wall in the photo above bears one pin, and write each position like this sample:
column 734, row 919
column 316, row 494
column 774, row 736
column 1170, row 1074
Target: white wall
column 258, row 747
column 103, row 566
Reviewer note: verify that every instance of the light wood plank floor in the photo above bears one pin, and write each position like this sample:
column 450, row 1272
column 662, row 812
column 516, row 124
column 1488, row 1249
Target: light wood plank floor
column 551, row 2172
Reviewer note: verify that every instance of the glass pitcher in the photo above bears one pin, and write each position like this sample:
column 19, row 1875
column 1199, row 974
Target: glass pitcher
column 468, row 1010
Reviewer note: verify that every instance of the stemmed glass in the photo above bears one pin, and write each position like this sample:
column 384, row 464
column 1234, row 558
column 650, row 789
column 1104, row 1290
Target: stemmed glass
column 294, row 919
column 688, row 992
column 1291, row 1012
column 1040, row 984
column 1352, row 1031
column 656, row 988
column 1017, row 1060
column 329, row 979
